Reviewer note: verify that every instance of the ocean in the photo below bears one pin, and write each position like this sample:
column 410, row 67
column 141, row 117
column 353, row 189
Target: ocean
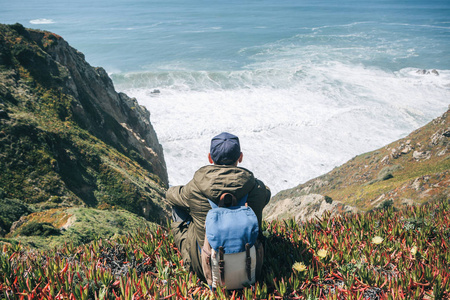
column 306, row 85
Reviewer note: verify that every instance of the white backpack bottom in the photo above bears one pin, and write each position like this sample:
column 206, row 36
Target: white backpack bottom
column 235, row 272
column 234, row 267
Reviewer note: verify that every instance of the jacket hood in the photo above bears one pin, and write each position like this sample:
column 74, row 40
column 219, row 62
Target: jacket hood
column 213, row 180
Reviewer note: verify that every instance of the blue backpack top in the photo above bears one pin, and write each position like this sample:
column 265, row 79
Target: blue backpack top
column 231, row 227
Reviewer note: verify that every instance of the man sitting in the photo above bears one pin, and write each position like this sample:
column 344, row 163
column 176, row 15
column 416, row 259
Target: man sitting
column 190, row 202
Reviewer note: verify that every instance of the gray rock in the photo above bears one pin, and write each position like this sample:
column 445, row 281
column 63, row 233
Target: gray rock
column 385, row 160
column 426, row 72
column 395, row 154
column 416, row 184
column 442, row 152
column 406, row 150
column 421, row 155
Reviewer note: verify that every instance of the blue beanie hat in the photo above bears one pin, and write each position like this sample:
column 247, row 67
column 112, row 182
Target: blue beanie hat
column 225, row 149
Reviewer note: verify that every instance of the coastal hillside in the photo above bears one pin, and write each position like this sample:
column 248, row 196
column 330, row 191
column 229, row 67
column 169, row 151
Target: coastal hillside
column 412, row 170
column 69, row 140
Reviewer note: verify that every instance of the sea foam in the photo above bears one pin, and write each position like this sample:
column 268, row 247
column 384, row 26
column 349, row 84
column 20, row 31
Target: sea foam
column 294, row 123
column 42, row 21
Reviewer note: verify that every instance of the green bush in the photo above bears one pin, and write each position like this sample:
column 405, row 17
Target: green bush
column 11, row 211
column 387, row 204
column 387, row 176
column 39, row 229
column 386, row 172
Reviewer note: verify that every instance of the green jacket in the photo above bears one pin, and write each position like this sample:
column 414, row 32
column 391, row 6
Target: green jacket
column 210, row 182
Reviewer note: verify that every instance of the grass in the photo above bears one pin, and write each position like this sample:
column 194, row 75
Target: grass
column 400, row 176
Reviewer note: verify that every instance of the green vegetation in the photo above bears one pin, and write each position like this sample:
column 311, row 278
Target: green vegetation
column 70, row 175
column 385, row 174
column 11, row 210
column 397, row 172
column 77, row 225
column 39, row 229
column 387, row 204
column 384, row 254
column 59, row 147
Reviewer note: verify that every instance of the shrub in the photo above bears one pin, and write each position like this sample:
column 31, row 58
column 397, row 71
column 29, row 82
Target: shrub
column 387, row 204
column 386, row 172
column 387, row 176
column 11, row 211
column 39, row 229
column 328, row 199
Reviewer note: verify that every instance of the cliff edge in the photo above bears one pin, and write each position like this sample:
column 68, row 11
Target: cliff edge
column 67, row 138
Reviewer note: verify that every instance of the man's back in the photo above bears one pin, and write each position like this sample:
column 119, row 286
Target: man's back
column 210, row 182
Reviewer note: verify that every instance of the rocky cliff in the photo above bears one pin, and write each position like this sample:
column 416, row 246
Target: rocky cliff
column 412, row 170
column 67, row 138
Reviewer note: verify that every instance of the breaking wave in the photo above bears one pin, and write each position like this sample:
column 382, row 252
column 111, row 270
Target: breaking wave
column 42, row 21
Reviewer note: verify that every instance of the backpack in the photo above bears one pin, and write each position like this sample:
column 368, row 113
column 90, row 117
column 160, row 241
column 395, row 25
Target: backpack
column 232, row 255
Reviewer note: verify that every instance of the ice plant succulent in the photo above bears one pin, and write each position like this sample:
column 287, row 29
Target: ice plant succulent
column 322, row 253
column 299, row 267
column 147, row 265
column 377, row 240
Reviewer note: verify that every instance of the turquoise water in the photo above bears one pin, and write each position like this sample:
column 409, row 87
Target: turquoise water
column 126, row 36
column 305, row 84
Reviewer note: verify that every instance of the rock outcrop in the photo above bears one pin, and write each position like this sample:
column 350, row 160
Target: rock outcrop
column 305, row 207
column 67, row 138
